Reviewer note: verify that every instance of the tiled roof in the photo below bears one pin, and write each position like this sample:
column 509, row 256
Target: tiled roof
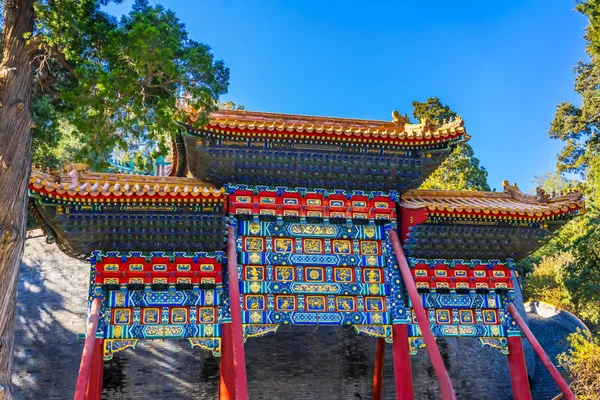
column 399, row 129
column 80, row 182
column 510, row 201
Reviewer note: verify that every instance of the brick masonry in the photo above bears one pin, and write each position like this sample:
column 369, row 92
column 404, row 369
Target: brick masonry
column 296, row 363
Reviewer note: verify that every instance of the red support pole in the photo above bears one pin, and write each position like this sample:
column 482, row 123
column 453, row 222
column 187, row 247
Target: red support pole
column 226, row 371
column 378, row 374
column 402, row 368
column 518, row 369
column 88, row 350
column 94, row 387
column 446, row 389
column 237, row 339
column 563, row 386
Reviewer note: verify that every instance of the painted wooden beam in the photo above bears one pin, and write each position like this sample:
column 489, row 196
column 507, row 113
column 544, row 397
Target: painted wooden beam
column 562, row 384
column 88, row 350
column 237, row 338
column 402, row 368
column 446, row 388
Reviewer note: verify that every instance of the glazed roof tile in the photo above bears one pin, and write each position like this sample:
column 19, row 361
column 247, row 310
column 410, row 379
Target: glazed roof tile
column 510, row 201
column 80, row 182
column 400, row 128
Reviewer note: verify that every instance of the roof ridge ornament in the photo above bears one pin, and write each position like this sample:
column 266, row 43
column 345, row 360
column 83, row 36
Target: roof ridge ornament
column 400, row 120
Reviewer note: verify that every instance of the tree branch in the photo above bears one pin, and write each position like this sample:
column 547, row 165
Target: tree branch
column 34, row 44
column 61, row 59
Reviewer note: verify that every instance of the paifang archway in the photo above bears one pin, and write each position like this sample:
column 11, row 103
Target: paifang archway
column 263, row 220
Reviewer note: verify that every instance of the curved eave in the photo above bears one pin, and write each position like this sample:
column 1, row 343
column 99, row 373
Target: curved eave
column 118, row 186
column 509, row 204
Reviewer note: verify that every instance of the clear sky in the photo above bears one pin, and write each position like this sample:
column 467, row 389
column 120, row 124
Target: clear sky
column 503, row 65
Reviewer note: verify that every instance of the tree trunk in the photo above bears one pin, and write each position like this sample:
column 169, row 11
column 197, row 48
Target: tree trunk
column 16, row 119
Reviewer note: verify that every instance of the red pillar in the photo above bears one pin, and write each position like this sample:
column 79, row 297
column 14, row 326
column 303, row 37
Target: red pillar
column 378, row 374
column 446, row 389
column 402, row 368
column 88, row 350
column 226, row 371
column 238, row 359
column 518, row 369
column 94, row 387
column 544, row 358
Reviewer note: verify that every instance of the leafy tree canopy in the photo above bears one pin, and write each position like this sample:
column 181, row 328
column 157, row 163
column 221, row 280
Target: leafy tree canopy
column 582, row 363
column 579, row 126
column 461, row 170
column 575, row 251
column 104, row 84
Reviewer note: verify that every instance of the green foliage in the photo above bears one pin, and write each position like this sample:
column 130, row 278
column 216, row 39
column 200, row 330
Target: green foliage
column 54, row 141
column 579, row 126
column 116, row 84
column 571, row 262
column 546, row 282
column 230, row 105
column 461, row 170
column 433, row 110
column 582, row 363
column 554, row 182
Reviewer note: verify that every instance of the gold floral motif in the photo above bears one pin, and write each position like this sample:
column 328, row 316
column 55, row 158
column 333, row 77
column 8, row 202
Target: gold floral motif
column 254, row 228
column 369, row 231
column 254, row 258
column 255, row 287
column 254, row 244
column 207, row 315
column 253, row 274
column 316, row 302
column 283, row 273
column 312, row 246
column 173, row 330
column 369, row 248
column 372, row 261
column 376, row 318
column 283, row 245
column 120, row 299
column 155, row 330
column 151, row 316
column 209, row 298
column 208, row 330
column 315, row 288
column 179, row 315
column 341, row 246
column 117, row 332
column 310, row 229
column 372, row 275
column 343, row 274
column 255, row 317
column 374, row 289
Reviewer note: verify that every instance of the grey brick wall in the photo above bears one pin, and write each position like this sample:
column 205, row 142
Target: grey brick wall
column 295, row 363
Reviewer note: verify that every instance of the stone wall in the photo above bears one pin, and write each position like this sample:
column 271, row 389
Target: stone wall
column 295, row 363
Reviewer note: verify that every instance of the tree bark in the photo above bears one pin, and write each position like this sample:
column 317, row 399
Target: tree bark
column 16, row 121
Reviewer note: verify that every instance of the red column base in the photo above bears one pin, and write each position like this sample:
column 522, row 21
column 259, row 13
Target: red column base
column 226, row 370
column 94, row 387
column 518, row 369
column 378, row 374
column 402, row 368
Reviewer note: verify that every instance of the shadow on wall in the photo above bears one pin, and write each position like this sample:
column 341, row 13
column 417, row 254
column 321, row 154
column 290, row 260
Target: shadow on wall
column 51, row 309
column 295, row 363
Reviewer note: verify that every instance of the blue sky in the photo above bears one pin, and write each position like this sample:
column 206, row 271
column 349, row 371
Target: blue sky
column 502, row 65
